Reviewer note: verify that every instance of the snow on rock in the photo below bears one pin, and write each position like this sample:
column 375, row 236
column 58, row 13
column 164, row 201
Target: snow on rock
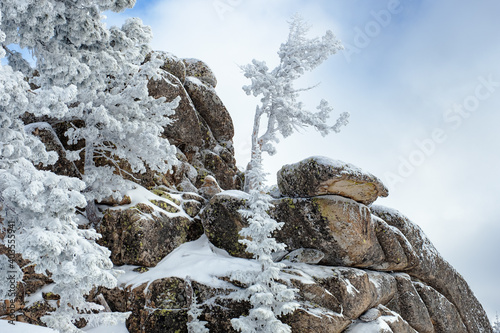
column 377, row 326
column 38, row 295
column 370, row 315
column 211, row 108
column 199, row 260
column 150, row 227
column 308, row 256
column 200, row 70
column 6, row 327
column 320, row 175
column 380, row 320
column 140, row 195
column 235, row 194
column 118, row 328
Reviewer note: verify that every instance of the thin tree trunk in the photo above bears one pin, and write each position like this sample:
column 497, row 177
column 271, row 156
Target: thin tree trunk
column 255, row 147
column 91, row 211
column 91, row 208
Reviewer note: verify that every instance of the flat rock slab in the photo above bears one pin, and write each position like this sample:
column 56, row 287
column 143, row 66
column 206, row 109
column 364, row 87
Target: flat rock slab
column 319, row 175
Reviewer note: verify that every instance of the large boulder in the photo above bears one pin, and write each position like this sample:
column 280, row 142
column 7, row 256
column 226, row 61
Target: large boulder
column 399, row 254
column 340, row 228
column 320, row 175
column 161, row 305
column 202, row 128
column 358, row 290
column 211, row 108
column 185, row 129
column 222, row 222
column 220, row 163
column 410, row 306
column 200, row 70
column 158, row 307
column 145, row 233
column 437, row 272
column 343, row 230
column 443, row 313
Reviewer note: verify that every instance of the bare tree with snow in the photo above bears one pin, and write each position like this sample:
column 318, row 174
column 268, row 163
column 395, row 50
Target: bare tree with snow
column 284, row 114
column 279, row 102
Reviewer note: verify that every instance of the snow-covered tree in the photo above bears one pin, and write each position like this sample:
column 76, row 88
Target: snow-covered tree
column 38, row 208
column 496, row 324
column 83, row 72
column 279, row 102
column 194, row 325
column 72, row 46
column 268, row 297
column 284, row 114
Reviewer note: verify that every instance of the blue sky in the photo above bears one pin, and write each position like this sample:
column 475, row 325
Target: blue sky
column 400, row 87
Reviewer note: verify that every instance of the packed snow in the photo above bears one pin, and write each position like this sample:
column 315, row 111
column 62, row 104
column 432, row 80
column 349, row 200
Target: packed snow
column 378, row 325
column 6, row 327
column 118, row 328
column 199, row 260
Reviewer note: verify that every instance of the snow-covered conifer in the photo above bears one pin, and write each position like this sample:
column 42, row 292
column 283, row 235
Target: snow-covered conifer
column 195, row 325
column 72, row 46
column 269, row 298
column 37, row 208
column 41, row 207
column 496, row 324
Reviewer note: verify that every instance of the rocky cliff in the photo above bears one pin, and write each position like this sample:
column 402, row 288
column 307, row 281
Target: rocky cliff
column 357, row 266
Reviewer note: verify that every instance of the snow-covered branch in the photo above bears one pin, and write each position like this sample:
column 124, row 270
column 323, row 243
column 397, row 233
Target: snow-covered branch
column 279, row 97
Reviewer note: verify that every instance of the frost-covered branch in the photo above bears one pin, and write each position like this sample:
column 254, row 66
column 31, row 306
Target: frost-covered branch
column 107, row 68
column 194, row 325
column 279, row 98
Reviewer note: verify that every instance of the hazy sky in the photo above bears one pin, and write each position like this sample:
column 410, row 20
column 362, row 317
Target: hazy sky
column 421, row 80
